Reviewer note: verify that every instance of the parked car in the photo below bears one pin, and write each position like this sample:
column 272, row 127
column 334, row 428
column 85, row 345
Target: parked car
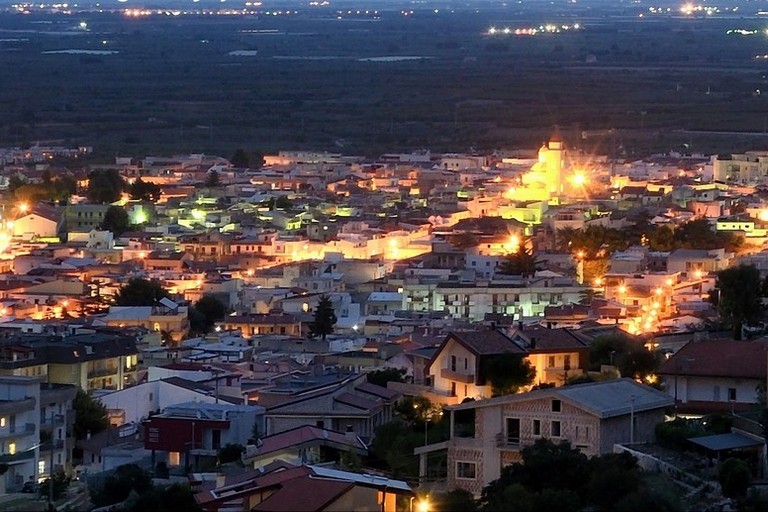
column 30, row 487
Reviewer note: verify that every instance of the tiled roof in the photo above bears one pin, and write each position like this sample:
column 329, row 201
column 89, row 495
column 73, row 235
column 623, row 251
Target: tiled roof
column 486, row 342
column 720, row 358
column 305, row 434
column 378, row 391
column 305, row 494
column 604, row 399
column 542, row 339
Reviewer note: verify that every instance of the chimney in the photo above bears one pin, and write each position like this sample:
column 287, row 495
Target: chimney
column 520, row 325
column 350, row 434
column 549, row 325
column 533, row 342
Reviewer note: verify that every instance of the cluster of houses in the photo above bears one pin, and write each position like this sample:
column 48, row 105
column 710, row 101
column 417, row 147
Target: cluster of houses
column 410, row 249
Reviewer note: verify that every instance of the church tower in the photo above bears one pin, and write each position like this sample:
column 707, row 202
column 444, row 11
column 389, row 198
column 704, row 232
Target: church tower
column 552, row 156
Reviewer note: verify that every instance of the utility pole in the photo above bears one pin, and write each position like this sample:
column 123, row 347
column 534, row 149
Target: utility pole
column 50, row 467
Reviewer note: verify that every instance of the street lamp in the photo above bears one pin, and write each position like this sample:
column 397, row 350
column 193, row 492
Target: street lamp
column 423, row 505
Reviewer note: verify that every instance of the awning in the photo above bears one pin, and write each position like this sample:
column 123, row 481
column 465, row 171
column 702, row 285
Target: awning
column 721, row 442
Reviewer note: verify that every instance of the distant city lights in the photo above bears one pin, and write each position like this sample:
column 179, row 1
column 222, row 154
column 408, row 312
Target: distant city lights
column 532, row 31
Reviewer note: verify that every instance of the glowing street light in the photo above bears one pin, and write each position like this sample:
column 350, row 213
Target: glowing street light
column 423, row 505
column 23, row 207
column 622, row 289
column 579, row 179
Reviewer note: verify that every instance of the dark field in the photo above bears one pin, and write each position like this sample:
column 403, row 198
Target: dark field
column 174, row 87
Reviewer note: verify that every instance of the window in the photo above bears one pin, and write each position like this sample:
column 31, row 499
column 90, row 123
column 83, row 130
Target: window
column 537, row 427
column 2, row 422
column 466, row 470
column 731, row 394
column 41, row 467
column 567, row 362
column 556, row 405
column 555, row 429
column 466, row 363
column 12, row 448
column 551, row 362
column 513, row 430
column 453, row 363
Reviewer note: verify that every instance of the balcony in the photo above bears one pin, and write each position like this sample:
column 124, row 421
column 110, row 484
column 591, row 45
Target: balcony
column 18, row 457
column 508, row 443
column 24, row 429
column 101, row 372
column 457, row 376
column 58, row 420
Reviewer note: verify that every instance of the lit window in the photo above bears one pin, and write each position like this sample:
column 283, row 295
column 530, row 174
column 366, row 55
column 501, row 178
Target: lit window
column 12, row 448
column 41, row 467
column 2, row 422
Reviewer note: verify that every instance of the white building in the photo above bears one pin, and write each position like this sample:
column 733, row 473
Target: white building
column 19, row 431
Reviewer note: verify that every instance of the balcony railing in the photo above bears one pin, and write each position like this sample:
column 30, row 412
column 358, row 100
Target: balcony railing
column 17, row 457
column 509, row 443
column 101, row 372
column 457, row 376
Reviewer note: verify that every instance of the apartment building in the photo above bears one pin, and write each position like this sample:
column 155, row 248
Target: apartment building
column 19, row 430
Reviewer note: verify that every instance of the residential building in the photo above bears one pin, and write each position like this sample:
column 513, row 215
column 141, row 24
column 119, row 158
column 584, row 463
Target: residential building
column 89, row 361
column 192, row 433
column 269, row 323
column 84, row 216
column 20, row 432
column 307, row 444
column 487, row 435
column 348, row 403
column 57, row 419
column 690, row 260
column 716, row 375
column 305, row 489
column 457, row 369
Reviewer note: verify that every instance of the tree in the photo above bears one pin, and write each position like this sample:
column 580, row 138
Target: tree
column 381, row 377
column 739, row 301
column 105, row 186
column 141, row 190
column 521, row 262
column 60, row 485
column 508, row 373
column 212, row 180
column 324, row 318
column 559, row 477
column 457, row 500
column 629, row 356
column 116, row 220
column 392, row 449
column 90, row 415
column 117, row 486
column 231, row 453
column 240, row 159
column 734, row 477
column 209, row 310
column 140, row 292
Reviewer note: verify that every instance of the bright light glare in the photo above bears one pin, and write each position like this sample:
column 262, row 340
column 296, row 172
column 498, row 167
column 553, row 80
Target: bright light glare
column 423, row 506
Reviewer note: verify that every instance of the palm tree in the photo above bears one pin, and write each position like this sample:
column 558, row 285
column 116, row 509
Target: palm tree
column 520, row 263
